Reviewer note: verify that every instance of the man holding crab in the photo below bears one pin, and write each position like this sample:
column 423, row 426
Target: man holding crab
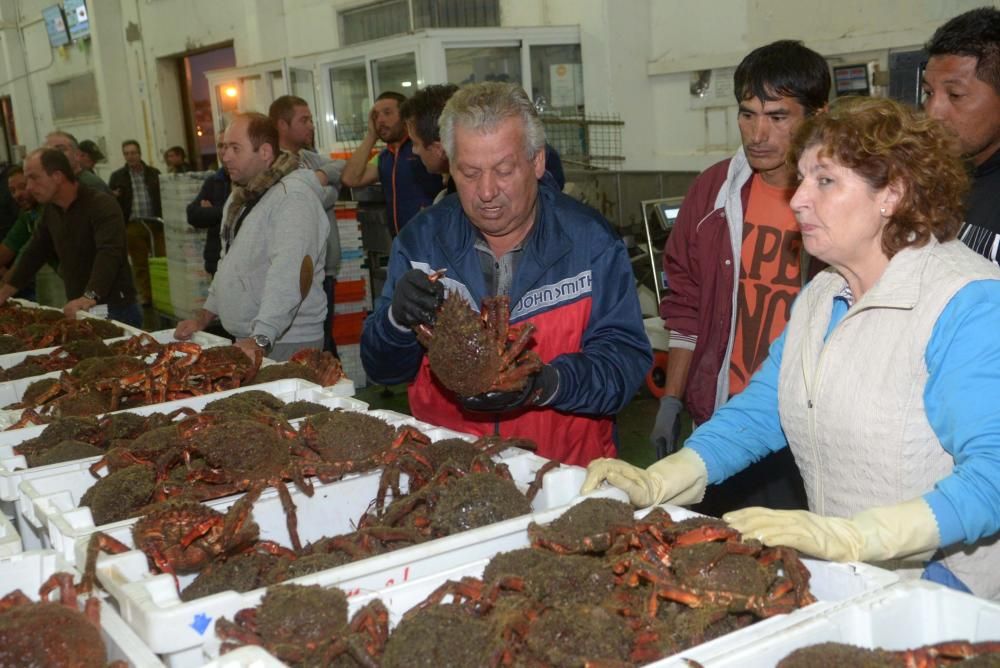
column 512, row 233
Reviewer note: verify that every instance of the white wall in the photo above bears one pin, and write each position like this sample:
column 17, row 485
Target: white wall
column 638, row 55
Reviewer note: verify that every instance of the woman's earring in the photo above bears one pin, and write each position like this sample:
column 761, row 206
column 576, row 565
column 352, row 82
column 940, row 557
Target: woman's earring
column 882, row 210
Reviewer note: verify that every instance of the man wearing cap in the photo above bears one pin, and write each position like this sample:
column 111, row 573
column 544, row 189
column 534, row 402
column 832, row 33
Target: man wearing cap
column 90, row 155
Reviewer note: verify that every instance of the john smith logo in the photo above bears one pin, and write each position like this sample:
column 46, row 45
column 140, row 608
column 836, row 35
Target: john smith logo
column 546, row 296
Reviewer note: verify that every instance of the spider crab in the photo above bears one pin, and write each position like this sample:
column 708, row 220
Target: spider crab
column 308, row 625
column 51, row 633
column 471, row 353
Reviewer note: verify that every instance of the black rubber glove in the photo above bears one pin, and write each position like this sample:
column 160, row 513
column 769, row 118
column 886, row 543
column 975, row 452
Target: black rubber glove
column 667, row 428
column 538, row 391
column 416, row 299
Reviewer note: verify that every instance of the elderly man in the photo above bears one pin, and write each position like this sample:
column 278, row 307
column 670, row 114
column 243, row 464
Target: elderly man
column 962, row 90
column 559, row 262
column 297, row 135
column 407, row 184
column 268, row 290
column 66, row 144
column 83, row 229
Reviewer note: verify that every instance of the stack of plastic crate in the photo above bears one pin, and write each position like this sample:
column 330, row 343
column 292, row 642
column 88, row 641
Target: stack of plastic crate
column 352, row 297
column 185, row 244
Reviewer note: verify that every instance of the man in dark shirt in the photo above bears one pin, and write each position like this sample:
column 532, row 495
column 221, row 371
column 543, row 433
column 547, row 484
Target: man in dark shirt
column 407, row 185
column 204, row 212
column 962, row 90
column 85, row 232
column 137, row 187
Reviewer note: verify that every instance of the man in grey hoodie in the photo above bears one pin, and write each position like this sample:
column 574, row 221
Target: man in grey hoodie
column 268, row 289
column 297, row 135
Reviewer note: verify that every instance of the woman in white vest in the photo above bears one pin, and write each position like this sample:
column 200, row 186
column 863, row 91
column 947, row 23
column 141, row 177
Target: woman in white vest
column 885, row 382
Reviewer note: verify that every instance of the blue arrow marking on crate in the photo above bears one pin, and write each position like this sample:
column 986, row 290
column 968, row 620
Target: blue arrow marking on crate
column 200, row 623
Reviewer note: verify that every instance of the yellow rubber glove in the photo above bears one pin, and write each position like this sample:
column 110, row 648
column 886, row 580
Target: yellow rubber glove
column 887, row 532
column 680, row 479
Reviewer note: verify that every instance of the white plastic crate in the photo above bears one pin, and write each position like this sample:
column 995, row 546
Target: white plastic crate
column 48, row 512
column 204, row 339
column 11, row 391
column 10, row 539
column 177, row 630
column 905, row 616
column 13, row 467
column 29, row 570
column 245, row 657
column 831, row 583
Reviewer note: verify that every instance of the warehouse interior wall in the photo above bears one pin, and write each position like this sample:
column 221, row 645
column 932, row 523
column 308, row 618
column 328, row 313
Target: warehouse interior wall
column 638, row 57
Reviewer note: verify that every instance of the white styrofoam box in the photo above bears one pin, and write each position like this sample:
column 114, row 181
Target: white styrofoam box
column 185, row 249
column 249, row 656
column 11, row 391
column 904, row 616
column 189, row 284
column 831, row 583
column 29, row 570
column 176, row 629
column 13, row 468
column 204, row 339
column 10, row 540
column 48, row 502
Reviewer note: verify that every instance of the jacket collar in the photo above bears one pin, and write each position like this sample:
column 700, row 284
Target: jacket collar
column 547, row 243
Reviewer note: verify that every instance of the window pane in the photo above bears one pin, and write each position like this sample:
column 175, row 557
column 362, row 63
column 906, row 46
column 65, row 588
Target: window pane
column 557, row 78
column 74, row 98
column 396, row 73
column 302, row 86
column 455, row 13
column 374, row 21
column 349, row 84
column 475, row 65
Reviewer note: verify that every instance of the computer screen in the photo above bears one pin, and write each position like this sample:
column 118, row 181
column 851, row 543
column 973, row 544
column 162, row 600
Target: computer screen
column 77, row 19
column 667, row 210
column 55, row 26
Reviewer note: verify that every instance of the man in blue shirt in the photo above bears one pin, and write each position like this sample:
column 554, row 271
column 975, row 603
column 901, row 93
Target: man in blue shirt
column 407, row 184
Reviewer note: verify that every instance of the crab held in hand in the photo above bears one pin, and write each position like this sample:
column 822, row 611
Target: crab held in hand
column 471, row 353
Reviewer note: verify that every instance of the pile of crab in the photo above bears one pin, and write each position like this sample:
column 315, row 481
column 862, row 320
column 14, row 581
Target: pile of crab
column 450, row 486
column 142, row 371
column 596, row 587
column 947, row 653
column 51, row 633
column 27, row 328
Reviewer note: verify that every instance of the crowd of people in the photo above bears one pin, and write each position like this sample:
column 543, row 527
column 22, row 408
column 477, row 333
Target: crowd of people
column 844, row 404
column 833, row 289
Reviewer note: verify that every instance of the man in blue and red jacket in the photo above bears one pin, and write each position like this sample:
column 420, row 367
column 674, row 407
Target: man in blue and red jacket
column 563, row 267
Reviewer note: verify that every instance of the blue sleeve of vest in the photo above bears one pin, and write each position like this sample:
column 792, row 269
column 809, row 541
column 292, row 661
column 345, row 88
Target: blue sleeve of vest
column 747, row 428
column 960, row 398
column 616, row 354
column 388, row 354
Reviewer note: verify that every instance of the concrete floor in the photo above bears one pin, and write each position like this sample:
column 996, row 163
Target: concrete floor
column 634, row 422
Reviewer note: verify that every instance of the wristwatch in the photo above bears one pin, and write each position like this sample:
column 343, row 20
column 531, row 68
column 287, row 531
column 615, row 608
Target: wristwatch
column 90, row 294
column 264, row 342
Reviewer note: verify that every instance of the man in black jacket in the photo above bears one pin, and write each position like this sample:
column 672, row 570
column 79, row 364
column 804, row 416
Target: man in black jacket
column 205, row 211
column 137, row 187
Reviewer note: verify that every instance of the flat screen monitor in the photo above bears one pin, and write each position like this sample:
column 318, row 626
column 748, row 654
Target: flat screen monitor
column 667, row 210
column 851, row 80
column 55, row 26
column 77, row 19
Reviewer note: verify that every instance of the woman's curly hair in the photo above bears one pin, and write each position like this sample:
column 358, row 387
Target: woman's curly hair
column 885, row 142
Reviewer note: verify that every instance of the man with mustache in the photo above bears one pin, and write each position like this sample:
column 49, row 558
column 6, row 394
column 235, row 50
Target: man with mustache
column 407, row 184
column 734, row 265
column 961, row 87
